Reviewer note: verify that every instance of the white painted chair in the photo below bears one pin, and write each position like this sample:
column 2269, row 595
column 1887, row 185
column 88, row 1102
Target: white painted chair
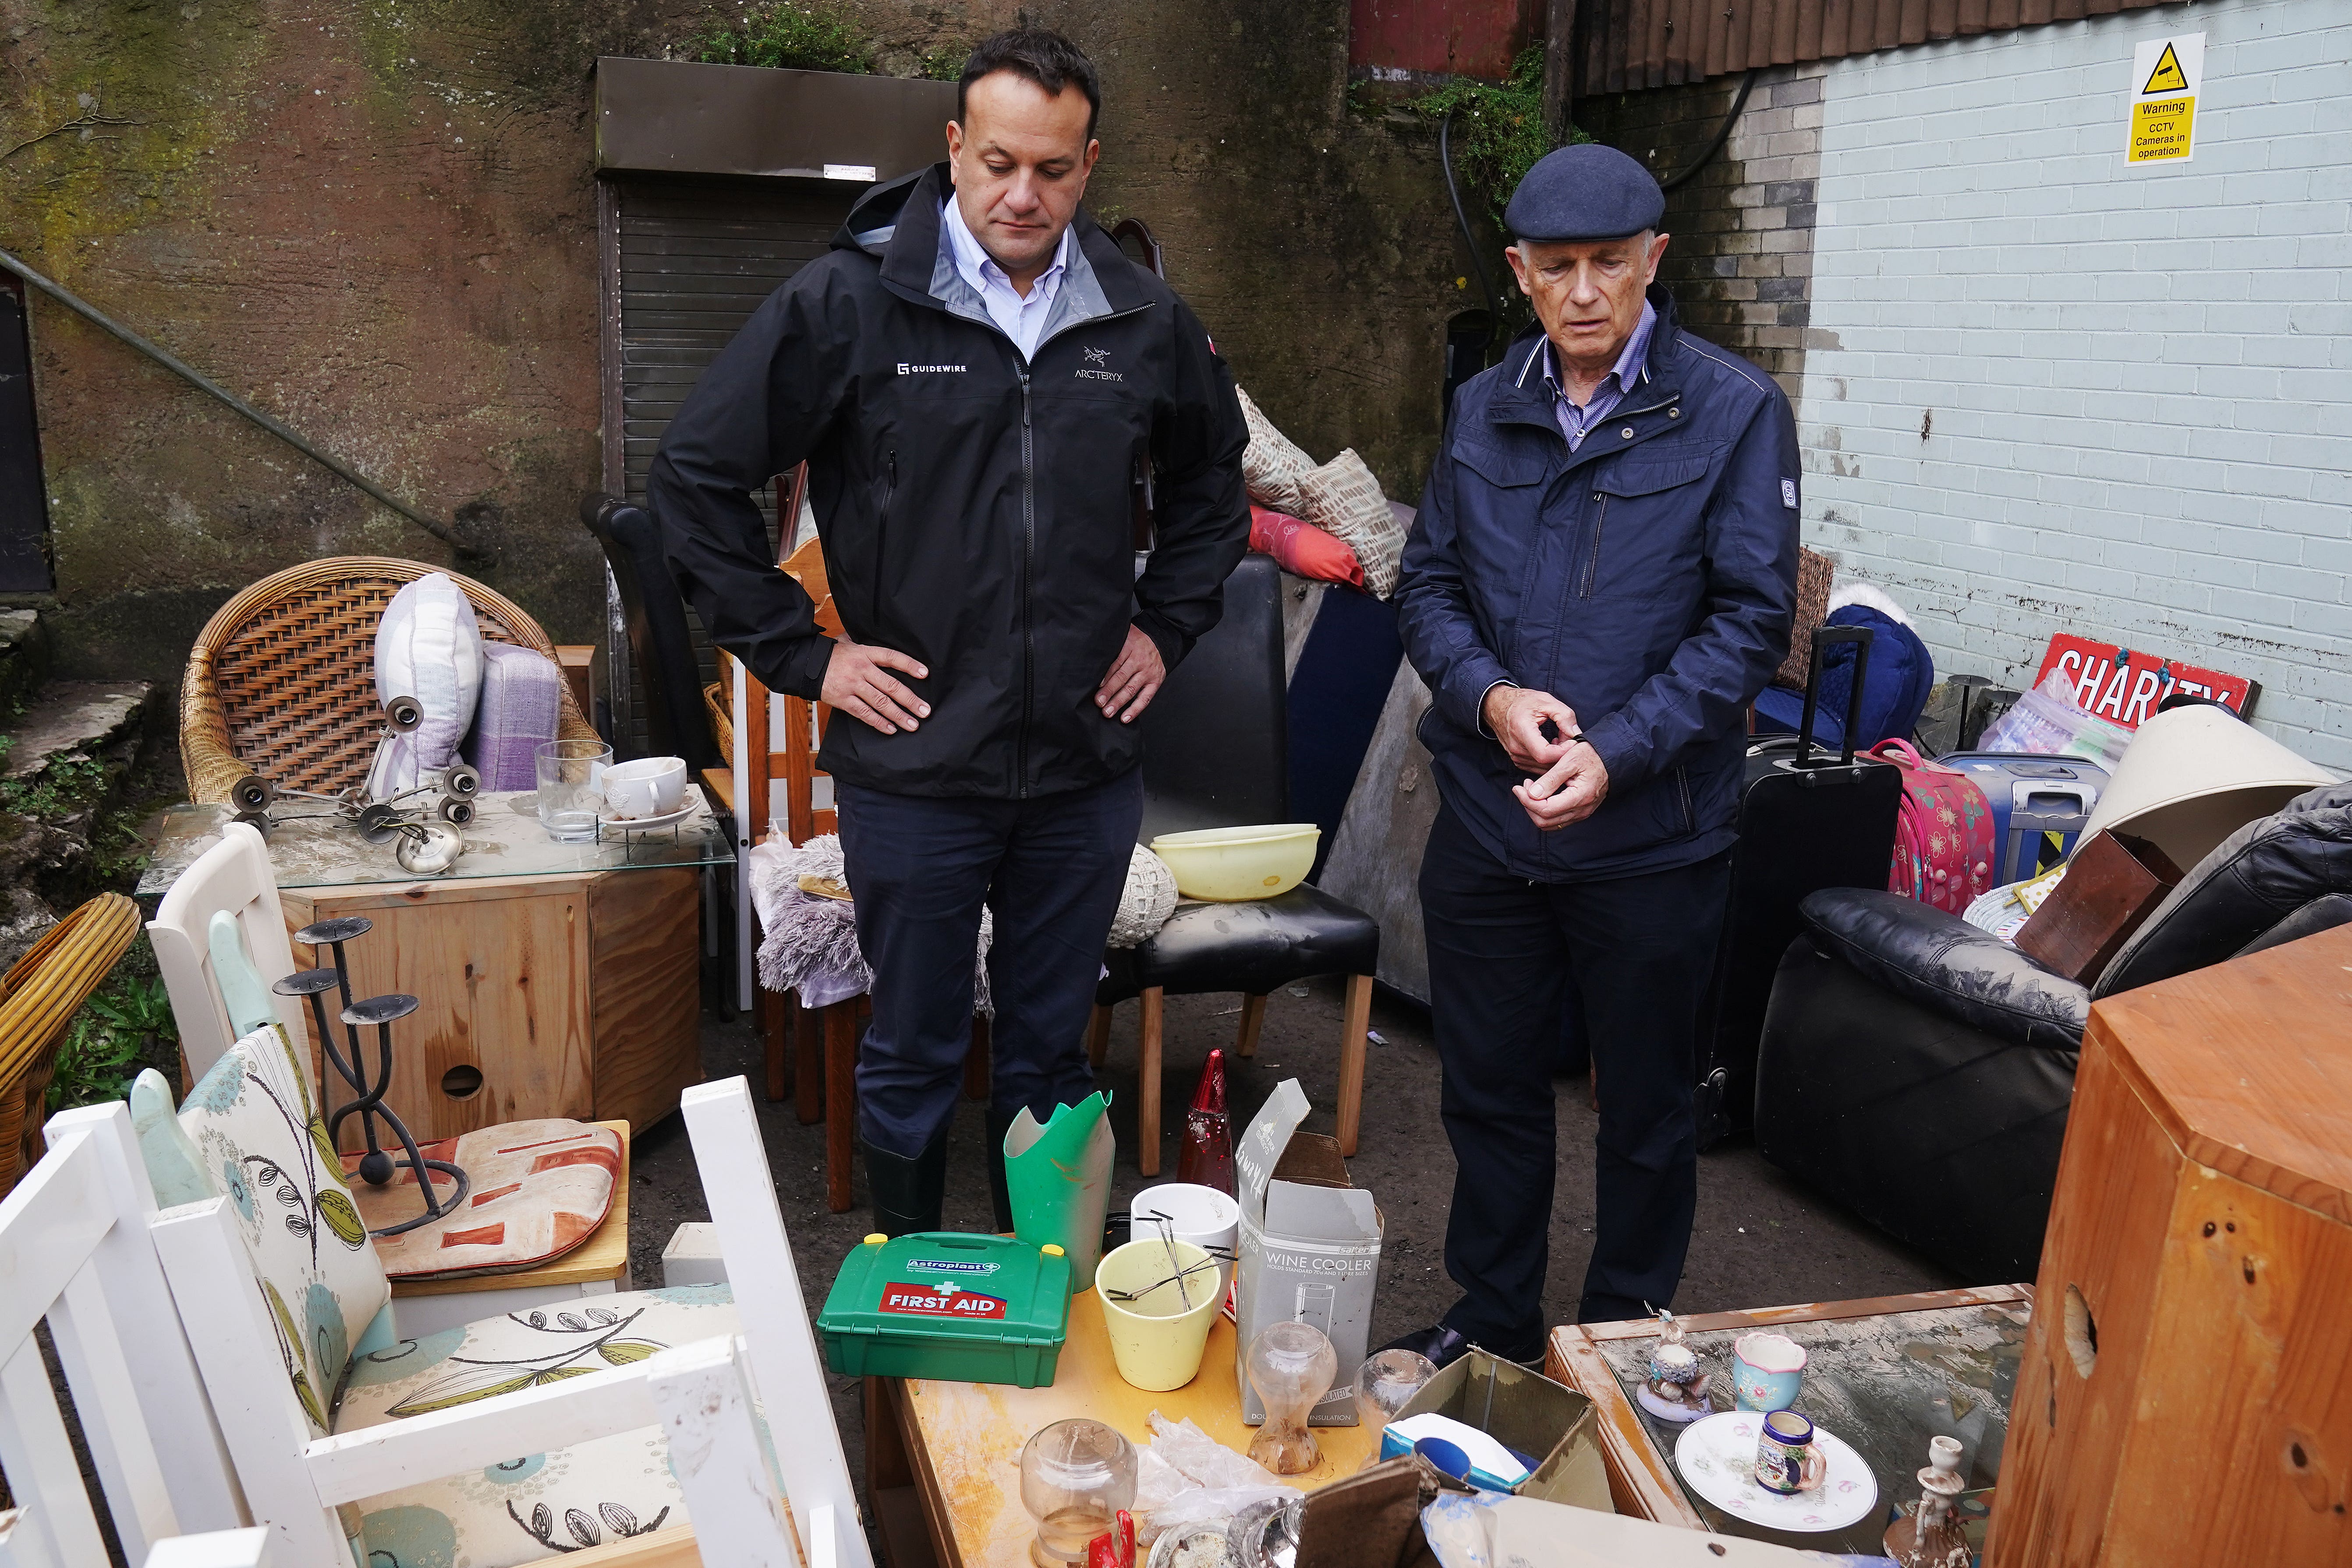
column 215, row 1549
column 74, row 1251
column 399, row 1433
column 233, row 878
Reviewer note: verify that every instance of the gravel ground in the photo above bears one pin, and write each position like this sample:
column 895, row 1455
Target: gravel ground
column 1760, row 1240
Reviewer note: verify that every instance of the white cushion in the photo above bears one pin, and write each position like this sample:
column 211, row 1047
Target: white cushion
column 534, row 1505
column 429, row 647
column 262, row 1142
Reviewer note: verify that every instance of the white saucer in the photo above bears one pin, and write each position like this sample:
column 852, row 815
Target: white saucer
column 690, row 807
column 1718, row 1458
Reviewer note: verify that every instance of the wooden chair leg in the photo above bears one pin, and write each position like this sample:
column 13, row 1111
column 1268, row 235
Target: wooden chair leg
column 840, row 1101
column 808, row 1061
column 1253, row 1015
column 775, row 1024
column 1099, row 1035
column 1147, row 1088
column 976, row 1063
column 1358, row 1020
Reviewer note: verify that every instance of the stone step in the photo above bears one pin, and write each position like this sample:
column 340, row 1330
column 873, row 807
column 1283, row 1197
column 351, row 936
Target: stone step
column 70, row 721
column 24, row 658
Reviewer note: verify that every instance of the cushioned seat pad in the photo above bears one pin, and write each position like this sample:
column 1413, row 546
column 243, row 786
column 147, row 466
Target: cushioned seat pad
column 1250, row 947
column 533, row 1506
column 1941, row 962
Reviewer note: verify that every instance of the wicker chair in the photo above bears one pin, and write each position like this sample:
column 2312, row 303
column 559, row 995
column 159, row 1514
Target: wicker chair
column 38, row 997
column 281, row 680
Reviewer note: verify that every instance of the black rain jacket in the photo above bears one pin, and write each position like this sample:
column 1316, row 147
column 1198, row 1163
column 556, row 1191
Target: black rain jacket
column 975, row 508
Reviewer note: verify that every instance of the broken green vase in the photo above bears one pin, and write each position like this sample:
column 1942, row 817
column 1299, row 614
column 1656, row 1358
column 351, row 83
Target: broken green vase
column 1058, row 1176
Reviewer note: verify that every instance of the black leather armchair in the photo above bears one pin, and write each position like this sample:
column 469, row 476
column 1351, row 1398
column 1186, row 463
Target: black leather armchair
column 1918, row 1069
column 1216, row 754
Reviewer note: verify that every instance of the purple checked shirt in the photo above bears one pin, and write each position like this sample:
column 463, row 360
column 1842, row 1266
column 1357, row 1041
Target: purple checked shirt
column 1632, row 369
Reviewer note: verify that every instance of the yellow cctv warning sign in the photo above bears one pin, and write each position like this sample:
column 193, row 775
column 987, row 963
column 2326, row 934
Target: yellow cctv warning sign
column 2161, row 111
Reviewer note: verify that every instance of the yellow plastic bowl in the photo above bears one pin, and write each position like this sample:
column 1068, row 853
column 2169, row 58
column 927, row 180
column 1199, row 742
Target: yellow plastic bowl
column 1228, row 865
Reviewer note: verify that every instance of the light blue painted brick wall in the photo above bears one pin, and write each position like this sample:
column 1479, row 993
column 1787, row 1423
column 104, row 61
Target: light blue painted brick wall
column 2140, row 378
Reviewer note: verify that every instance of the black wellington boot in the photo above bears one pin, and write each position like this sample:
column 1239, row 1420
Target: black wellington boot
column 999, row 1193
column 907, row 1193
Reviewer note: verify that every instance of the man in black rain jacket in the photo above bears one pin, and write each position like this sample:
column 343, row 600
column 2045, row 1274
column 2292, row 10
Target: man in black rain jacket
column 975, row 376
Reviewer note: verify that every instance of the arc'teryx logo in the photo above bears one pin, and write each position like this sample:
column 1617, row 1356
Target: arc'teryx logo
column 1095, row 360
column 1097, row 356
column 906, row 369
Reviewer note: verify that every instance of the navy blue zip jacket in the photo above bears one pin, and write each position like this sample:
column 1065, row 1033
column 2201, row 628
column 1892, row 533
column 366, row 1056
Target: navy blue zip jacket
column 974, row 506
column 1648, row 580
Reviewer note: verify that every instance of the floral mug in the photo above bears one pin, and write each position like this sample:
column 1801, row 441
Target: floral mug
column 1788, row 1461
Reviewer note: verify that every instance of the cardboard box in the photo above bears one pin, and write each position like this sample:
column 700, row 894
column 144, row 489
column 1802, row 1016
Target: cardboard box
column 1309, row 1246
column 1548, row 1422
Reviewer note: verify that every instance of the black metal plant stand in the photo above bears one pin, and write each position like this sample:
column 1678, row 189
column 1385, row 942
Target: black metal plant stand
column 376, row 1166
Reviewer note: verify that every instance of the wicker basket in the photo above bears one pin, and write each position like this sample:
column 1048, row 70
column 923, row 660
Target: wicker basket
column 281, row 681
column 38, row 997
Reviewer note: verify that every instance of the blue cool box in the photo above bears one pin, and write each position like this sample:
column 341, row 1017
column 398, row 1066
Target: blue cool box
column 2031, row 795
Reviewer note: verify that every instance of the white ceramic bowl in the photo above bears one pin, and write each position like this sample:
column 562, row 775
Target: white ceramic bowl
column 649, row 786
column 1227, row 865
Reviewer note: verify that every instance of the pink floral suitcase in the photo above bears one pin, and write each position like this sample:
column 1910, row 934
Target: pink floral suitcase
column 1943, row 832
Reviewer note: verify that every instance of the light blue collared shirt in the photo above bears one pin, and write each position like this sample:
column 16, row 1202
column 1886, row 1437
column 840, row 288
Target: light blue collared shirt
column 1632, row 369
column 1018, row 317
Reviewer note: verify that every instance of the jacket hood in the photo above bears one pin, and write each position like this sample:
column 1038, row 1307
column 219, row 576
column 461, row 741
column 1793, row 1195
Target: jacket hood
column 898, row 224
column 874, row 217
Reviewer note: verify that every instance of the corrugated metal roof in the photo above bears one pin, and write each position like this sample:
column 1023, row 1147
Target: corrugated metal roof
column 1622, row 46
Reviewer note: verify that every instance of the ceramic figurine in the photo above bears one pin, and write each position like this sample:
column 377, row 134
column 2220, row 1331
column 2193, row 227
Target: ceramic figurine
column 1291, row 1366
column 1929, row 1535
column 1675, row 1389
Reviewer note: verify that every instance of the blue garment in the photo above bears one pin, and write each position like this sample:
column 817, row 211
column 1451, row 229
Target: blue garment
column 1894, row 685
column 1632, row 369
column 1021, row 317
column 1648, row 580
column 1051, row 870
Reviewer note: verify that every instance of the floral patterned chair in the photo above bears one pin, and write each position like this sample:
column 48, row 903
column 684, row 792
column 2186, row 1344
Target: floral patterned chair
column 306, row 1349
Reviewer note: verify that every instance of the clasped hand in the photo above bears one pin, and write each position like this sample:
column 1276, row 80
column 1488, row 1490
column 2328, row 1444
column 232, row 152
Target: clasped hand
column 1569, row 780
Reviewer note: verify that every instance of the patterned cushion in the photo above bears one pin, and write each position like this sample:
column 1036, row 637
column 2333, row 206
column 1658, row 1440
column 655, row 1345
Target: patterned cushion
column 540, row 1189
column 521, row 697
column 1272, row 465
column 1344, row 499
column 264, row 1143
column 538, row 1505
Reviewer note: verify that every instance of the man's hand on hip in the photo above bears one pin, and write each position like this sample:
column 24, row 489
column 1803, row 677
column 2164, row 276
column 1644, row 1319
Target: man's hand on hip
column 1570, row 790
column 1517, row 718
column 1134, row 679
column 857, row 681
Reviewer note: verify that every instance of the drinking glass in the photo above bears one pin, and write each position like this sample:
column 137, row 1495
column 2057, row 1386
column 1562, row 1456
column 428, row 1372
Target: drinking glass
column 1076, row 1475
column 570, row 792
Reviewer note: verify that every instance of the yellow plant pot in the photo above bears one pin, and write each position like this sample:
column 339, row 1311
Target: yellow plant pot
column 1228, row 865
column 1157, row 1338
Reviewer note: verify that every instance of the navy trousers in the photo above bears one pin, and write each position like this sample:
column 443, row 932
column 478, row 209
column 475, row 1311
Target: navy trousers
column 1507, row 957
column 1050, row 871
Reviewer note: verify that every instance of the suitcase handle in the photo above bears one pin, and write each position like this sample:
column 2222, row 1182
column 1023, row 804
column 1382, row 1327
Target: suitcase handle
column 1825, row 637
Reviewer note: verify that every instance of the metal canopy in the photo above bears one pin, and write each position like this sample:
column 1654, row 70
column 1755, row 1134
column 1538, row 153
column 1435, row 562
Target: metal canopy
column 675, row 117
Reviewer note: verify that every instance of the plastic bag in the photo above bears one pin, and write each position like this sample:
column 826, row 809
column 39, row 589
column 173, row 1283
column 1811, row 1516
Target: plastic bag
column 2048, row 721
column 1186, row 1477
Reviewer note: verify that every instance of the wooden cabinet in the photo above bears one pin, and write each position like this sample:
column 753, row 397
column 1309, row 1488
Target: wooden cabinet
column 553, row 995
column 2186, row 1395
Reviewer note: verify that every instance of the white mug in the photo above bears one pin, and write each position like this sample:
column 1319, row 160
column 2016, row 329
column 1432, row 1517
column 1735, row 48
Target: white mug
column 650, row 786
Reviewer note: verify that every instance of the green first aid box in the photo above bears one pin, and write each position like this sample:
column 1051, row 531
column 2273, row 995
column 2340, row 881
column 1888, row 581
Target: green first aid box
column 949, row 1306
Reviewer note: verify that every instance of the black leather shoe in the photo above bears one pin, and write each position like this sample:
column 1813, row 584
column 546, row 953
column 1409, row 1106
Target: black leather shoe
column 1445, row 1346
column 999, row 1195
column 907, row 1193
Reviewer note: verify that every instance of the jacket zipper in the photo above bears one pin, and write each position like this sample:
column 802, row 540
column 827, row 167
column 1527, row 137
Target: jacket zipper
column 1028, row 554
column 1592, row 560
column 1682, row 784
column 882, row 538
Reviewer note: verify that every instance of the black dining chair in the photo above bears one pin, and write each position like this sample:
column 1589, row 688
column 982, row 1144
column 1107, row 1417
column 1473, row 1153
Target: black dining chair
column 1216, row 754
column 661, row 642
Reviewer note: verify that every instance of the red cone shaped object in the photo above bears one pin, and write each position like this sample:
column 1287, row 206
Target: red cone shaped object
column 1208, row 1157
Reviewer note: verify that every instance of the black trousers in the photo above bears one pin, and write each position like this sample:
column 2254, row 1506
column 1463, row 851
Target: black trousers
column 1051, row 871
column 1506, row 957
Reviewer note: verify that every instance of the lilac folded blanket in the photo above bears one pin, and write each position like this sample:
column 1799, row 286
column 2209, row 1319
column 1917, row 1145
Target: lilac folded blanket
column 521, row 697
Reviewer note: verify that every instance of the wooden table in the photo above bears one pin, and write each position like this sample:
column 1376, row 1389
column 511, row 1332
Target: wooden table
column 1885, row 1373
column 943, row 1460
column 553, row 979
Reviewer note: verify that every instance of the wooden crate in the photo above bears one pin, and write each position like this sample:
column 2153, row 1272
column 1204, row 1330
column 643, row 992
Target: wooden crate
column 2187, row 1391
column 573, row 996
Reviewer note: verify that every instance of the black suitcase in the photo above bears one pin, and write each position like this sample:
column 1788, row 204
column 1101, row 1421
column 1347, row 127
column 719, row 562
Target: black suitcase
column 1808, row 820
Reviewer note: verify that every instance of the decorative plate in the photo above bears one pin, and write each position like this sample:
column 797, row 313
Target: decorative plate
column 1718, row 1458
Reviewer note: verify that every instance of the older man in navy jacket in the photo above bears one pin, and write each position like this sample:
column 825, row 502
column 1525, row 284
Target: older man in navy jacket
column 1601, row 579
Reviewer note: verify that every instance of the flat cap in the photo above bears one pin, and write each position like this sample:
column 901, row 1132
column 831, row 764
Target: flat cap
column 1586, row 192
